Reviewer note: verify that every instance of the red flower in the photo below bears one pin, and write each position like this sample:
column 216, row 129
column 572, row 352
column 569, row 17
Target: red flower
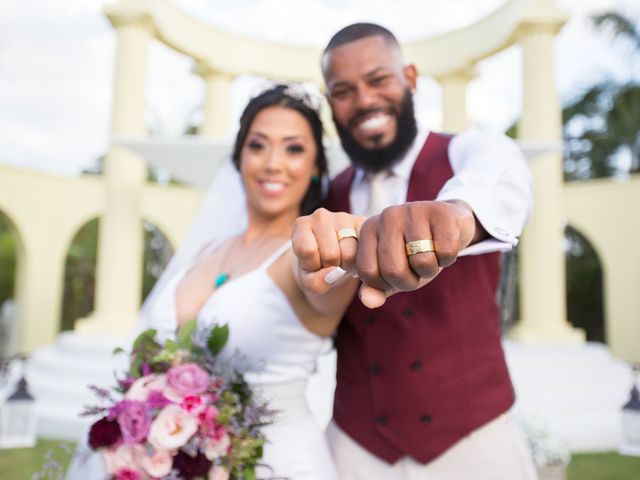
column 191, row 467
column 128, row 474
column 193, row 404
column 104, row 433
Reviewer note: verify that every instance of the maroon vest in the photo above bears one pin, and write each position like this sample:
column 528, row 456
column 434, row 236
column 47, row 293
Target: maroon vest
column 419, row 373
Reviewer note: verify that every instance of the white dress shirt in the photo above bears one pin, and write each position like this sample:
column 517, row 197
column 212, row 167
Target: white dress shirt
column 490, row 173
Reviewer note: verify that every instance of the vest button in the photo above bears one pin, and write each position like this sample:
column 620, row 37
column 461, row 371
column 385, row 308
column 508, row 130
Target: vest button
column 381, row 420
column 425, row 419
column 370, row 319
column 407, row 313
column 374, row 370
column 416, row 365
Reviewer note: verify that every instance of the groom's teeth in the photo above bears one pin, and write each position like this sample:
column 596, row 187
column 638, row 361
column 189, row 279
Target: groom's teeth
column 273, row 186
column 374, row 122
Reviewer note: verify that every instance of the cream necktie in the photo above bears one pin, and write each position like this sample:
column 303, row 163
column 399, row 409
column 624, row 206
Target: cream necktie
column 378, row 193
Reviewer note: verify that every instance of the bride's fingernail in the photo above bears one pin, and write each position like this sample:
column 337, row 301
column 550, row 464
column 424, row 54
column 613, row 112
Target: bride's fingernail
column 334, row 275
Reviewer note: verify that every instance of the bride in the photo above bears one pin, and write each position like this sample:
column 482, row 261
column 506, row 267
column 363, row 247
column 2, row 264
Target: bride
column 237, row 268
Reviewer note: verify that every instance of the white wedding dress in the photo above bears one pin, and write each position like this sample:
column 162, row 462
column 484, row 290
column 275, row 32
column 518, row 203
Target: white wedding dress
column 282, row 354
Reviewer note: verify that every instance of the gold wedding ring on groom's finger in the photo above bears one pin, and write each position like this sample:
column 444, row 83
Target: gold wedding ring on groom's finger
column 346, row 233
column 419, row 246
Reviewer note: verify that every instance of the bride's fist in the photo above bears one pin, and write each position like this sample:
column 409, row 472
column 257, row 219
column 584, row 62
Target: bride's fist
column 323, row 241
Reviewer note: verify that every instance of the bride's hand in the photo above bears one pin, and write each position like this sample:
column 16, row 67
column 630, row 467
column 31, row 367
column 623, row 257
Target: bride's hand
column 325, row 244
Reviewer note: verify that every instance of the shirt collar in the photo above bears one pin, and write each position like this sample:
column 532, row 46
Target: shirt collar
column 401, row 169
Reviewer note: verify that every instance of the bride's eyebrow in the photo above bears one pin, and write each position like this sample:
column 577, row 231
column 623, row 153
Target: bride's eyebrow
column 294, row 137
column 264, row 136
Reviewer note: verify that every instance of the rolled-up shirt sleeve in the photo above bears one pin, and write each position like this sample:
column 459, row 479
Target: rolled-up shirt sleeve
column 490, row 173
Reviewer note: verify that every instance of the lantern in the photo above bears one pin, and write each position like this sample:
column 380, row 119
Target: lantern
column 18, row 419
column 631, row 421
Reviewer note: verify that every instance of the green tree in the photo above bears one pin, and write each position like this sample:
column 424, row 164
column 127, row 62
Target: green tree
column 601, row 126
column 585, row 305
column 80, row 269
column 7, row 278
column 7, row 260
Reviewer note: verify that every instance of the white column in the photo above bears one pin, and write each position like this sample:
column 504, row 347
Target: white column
column 120, row 240
column 215, row 122
column 39, row 287
column 454, row 100
column 543, row 308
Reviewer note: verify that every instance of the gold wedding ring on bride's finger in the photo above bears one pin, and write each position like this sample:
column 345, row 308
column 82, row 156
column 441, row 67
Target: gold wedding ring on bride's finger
column 346, row 233
column 419, row 246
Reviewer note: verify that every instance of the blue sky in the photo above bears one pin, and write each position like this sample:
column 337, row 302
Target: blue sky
column 56, row 61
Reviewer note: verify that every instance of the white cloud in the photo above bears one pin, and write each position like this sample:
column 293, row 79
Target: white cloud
column 55, row 72
column 312, row 22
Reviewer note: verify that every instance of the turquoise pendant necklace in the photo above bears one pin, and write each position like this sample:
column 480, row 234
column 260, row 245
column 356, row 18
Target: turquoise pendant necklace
column 224, row 277
column 221, row 280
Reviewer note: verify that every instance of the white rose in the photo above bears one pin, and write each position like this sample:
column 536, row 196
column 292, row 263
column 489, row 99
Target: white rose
column 172, row 428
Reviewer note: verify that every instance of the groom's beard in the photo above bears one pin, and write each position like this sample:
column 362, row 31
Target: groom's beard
column 378, row 159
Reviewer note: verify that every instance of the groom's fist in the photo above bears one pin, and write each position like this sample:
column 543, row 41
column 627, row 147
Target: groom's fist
column 437, row 230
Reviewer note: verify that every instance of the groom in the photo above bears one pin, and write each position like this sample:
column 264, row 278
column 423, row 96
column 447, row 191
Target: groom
column 423, row 390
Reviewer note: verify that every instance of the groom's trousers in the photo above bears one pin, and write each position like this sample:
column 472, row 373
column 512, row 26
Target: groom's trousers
column 495, row 451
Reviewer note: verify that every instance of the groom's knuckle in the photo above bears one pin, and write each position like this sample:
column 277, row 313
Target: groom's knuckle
column 424, row 264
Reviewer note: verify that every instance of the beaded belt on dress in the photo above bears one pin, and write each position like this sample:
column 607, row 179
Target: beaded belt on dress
column 286, row 399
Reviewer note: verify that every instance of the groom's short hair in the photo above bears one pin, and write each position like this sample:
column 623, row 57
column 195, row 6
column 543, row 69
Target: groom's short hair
column 357, row 31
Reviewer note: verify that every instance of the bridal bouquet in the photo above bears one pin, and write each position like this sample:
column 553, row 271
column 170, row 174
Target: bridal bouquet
column 180, row 414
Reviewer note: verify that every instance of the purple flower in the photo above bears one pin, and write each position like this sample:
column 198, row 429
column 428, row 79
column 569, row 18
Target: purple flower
column 188, row 379
column 104, row 433
column 134, row 419
column 126, row 382
column 156, row 399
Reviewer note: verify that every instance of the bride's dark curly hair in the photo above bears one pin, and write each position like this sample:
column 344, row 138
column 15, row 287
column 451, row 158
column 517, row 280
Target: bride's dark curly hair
column 283, row 95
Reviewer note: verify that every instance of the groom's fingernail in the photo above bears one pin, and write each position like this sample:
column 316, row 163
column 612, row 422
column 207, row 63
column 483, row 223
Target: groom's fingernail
column 334, row 275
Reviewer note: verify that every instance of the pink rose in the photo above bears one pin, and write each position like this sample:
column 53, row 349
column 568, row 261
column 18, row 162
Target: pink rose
column 172, row 428
column 208, row 426
column 217, row 448
column 157, row 465
column 144, row 385
column 122, row 457
column 134, row 419
column 218, row 473
column 188, row 379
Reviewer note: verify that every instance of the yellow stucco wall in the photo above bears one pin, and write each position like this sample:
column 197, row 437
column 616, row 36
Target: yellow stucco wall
column 605, row 212
column 46, row 212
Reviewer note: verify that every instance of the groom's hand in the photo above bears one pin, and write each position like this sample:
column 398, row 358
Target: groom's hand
column 384, row 265
column 323, row 241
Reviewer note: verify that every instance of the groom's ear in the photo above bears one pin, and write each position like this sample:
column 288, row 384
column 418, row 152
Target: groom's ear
column 411, row 76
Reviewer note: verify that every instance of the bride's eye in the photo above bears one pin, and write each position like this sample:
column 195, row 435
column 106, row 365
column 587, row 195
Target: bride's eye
column 255, row 146
column 295, row 148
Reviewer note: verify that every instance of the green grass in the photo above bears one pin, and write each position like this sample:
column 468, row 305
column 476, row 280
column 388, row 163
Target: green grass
column 604, row 466
column 22, row 463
